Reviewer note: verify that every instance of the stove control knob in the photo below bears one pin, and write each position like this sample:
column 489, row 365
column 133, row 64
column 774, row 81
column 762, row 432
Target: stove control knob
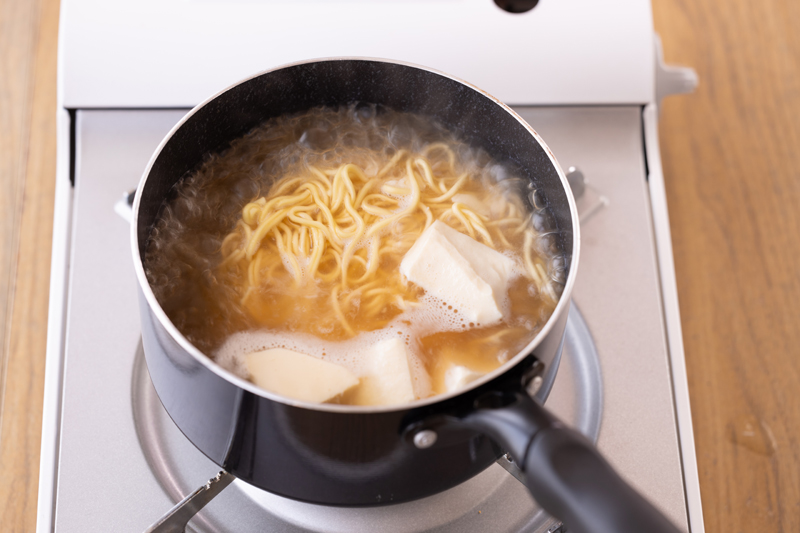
column 516, row 6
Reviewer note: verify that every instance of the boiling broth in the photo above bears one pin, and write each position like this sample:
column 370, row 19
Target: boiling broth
column 231, row 294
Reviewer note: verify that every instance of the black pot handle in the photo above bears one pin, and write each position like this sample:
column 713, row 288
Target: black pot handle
column 563, row 470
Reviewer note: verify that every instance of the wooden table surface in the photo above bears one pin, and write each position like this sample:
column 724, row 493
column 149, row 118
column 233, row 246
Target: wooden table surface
column 731, row 156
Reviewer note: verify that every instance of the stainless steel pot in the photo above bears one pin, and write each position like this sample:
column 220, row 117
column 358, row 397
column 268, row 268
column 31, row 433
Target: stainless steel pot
column 360, row 456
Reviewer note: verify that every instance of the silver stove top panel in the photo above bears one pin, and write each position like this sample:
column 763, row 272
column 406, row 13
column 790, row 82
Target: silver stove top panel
column 104, row 482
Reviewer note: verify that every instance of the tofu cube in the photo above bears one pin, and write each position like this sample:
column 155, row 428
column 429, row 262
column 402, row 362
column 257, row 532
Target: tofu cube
column 458, row 377
column 459, row 270
column 389, row 379
column 298, row 376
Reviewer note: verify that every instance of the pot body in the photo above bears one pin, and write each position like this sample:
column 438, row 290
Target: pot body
column 336, row 455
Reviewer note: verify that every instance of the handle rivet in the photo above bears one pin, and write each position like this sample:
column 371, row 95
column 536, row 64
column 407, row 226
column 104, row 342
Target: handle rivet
column 425, row 439
column 534, row 385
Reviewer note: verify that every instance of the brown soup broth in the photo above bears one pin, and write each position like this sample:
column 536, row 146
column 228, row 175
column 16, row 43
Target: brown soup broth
column 210, row 296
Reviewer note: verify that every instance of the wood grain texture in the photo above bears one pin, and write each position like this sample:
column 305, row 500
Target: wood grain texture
column 17, row 44
column 28, row 35
column 731, row 156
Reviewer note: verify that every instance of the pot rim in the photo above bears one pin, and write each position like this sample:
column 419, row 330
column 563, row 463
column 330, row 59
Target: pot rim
column 561, row 307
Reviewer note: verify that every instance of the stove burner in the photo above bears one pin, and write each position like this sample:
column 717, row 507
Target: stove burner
column 492, row 497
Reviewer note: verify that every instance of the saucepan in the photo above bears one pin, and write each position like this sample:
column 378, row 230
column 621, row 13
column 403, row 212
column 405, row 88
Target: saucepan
column 361, row 456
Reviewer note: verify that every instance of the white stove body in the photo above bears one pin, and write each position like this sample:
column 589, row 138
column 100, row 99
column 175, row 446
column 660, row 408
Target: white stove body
column 176, row 53
column 162, row 54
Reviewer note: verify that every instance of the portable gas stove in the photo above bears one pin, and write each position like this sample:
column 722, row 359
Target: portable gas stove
column 586, row 75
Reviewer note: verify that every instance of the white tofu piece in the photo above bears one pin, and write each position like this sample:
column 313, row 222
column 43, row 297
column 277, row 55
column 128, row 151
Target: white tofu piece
column 389, row 379
column 299, row 376
column 459, row 270
column 457, row 377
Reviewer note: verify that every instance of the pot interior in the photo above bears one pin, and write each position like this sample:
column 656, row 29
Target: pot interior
column 474, row 116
